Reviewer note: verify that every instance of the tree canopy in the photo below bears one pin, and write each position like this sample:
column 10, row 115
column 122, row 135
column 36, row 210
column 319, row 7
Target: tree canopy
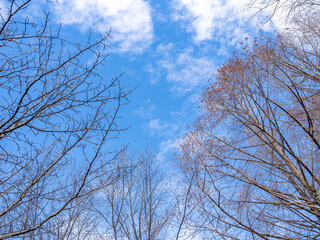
column 254, row 152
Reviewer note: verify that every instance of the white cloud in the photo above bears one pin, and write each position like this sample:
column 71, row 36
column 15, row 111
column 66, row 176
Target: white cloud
column 146, row 110
column 184, row 70
column 282, row 14
column 154, row 72
column 168, row 147
column 155, row 125
column 130, row 20
column 230, row 20
column 211, row 19
column 3, row 8
column 163, row 128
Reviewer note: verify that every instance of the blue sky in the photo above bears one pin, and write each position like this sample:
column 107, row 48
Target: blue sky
column 167, row 48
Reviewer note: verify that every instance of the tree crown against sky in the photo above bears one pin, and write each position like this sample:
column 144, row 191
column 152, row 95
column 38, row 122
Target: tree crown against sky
column 253, row 154
column 250, row 161
column 57, row 117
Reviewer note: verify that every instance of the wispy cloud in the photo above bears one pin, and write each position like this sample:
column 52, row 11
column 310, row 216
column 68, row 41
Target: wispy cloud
column 146, row 110
column 163, row 128
column 167, row 148
column 184, row 71
column 130, row 20
column 3, row 9
column 210, row 19
column 278, row 15
column 228, row 20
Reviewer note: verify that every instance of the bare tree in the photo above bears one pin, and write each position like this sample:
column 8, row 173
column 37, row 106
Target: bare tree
column 56, row 116
column 286, row 11
column 253, row 155
column 182, row 225
column 139, row 205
